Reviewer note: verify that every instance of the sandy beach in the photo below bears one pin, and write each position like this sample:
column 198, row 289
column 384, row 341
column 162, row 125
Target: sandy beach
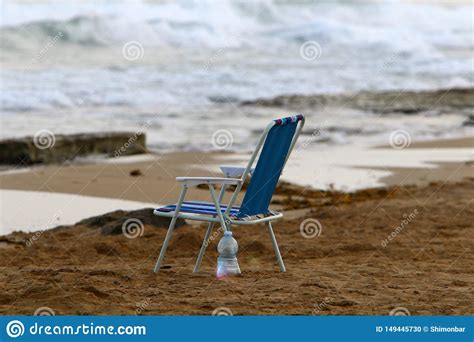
column 361, row 263
column 426, row 268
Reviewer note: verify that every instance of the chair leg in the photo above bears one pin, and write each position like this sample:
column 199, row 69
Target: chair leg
column 170, row 230
column 165, row 245
column 275, row 247
column 218, row 207
column 205, row 242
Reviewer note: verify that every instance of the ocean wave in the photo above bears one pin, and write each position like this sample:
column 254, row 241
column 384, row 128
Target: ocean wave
column 233, row 24
column 81, row 30
column 206, row 54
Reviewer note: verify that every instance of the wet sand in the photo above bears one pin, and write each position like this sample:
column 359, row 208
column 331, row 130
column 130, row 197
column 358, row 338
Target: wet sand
column 156, row 180
column 112, row 179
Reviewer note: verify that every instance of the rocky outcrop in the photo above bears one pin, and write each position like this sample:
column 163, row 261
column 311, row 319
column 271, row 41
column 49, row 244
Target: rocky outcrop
column 45, row 147
column 125, row 222
column 402, row 102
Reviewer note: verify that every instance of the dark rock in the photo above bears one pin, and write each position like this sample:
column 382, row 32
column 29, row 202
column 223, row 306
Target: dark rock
column 223, row 99
column 469, row 121
column 402, row 102
column 49, row 148
column 112, row 223
column 135, row 173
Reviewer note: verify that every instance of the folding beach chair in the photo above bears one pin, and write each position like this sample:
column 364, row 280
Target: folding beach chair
column 277, row 140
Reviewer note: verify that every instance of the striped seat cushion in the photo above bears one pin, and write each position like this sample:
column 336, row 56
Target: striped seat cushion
column 207, row 208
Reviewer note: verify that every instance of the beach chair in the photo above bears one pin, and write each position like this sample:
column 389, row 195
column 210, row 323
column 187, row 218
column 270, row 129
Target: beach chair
column 275, row 146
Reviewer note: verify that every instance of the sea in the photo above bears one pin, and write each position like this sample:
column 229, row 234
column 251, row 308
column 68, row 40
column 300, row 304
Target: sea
column 179, row 70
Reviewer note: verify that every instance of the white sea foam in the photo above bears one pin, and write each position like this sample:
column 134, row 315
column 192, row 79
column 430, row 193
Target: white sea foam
column 357, row 167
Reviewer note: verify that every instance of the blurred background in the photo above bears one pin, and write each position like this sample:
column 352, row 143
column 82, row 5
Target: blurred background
column 166, row 67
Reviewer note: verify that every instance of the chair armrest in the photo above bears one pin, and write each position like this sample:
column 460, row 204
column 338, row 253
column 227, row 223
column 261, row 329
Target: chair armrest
column 193, row 181
column 234, row 170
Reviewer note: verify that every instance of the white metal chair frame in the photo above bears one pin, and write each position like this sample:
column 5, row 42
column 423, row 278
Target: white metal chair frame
column 224, row 218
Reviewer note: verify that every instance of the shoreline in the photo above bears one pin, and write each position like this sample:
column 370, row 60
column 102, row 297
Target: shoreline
column 417, row 155
column 148, row 180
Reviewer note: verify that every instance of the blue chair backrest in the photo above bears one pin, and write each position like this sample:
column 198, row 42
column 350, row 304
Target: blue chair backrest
column 269, row 166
